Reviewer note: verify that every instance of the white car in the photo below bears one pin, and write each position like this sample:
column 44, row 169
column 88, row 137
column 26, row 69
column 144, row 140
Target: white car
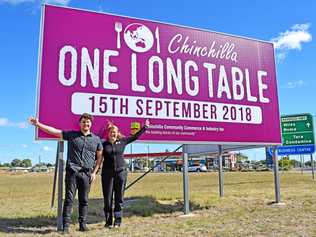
column 197, row 168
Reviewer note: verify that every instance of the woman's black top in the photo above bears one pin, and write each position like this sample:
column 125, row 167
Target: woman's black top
column 113, row 153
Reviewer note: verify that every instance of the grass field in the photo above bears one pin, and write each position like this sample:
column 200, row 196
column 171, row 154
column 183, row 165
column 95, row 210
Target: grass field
column 154, row 206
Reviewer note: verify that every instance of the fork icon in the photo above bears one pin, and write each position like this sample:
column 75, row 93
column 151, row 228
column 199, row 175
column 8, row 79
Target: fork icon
column 118, row 29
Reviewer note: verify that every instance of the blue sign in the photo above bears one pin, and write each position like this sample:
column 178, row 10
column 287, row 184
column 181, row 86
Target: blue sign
column 296, row 150
column 269, row 157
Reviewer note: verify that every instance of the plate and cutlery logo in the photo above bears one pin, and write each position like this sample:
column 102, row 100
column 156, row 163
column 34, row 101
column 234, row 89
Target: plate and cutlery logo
column 137, row 37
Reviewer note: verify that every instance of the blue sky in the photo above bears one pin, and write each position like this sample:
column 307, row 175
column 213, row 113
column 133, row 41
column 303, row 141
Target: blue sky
column 291, row 25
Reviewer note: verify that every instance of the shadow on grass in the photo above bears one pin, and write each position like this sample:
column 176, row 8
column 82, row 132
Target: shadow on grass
column 248, row 182
column 36, row 225
column 148, row 206
column 229, row 183
column 134, row 206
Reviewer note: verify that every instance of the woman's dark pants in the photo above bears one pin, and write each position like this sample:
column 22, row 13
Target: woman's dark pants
column 113, row 182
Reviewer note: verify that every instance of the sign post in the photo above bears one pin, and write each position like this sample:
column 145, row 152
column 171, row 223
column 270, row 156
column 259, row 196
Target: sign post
column 55, row 177
column 312, row 164
column 60, row 185
column 220, row 171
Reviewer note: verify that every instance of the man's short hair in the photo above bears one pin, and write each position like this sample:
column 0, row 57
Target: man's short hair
column 86, row 116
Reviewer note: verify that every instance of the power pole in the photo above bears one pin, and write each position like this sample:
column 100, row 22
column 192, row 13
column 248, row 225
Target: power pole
column 148, row 156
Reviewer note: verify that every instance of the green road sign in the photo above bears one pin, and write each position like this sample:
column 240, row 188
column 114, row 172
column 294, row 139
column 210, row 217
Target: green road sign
column 297, row 130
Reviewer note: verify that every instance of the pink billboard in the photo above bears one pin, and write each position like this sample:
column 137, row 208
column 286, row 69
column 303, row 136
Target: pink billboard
column 194, row 85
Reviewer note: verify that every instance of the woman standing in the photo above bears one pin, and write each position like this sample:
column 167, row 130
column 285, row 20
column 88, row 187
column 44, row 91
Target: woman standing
column 114, row 172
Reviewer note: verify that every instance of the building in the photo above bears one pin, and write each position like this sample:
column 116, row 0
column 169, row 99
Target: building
column 20, row 169
column 174, row 161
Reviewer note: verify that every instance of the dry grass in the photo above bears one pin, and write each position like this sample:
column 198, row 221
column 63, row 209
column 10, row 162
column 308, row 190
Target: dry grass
column 154, row 206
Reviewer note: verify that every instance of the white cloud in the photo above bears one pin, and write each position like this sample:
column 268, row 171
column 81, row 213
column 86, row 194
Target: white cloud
column 21, row 125
column 47, row 148
column 24, row 146
column 17, row 2
column 291, row 40
column 294, row 84
column 4, row 122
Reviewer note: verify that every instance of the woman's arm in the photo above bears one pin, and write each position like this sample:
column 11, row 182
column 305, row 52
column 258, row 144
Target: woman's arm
column 140, row 132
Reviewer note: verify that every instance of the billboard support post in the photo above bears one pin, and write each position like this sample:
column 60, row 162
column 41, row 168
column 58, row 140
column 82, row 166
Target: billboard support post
column 186, row 208
column 220, row 171
column 55, row 177
column 276, row 175
column 60, row 151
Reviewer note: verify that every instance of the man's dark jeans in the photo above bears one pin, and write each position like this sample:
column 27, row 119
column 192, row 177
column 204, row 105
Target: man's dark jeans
column 73, row 181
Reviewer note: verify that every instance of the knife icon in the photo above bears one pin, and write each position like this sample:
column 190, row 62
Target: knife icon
column 157, row 40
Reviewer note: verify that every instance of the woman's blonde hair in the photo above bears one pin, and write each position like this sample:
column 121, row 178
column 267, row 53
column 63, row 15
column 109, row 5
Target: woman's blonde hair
column 111, row 126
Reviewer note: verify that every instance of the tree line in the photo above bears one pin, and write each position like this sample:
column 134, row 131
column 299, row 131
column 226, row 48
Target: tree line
column 23, row 163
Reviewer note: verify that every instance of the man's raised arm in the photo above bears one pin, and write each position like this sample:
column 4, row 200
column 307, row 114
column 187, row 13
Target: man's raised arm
column 45, row 128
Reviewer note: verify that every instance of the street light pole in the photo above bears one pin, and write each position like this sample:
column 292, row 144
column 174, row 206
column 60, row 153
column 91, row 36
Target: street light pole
column 148, row 156
column 132, row 163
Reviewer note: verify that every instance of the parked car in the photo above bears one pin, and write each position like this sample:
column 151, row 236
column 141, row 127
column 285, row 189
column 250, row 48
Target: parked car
column 197, row 168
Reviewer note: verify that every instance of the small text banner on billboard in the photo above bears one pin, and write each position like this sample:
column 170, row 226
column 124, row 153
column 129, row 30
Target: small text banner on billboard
column 297, row 135
column 194, row 85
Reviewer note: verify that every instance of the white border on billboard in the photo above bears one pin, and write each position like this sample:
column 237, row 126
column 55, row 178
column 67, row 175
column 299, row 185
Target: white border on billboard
column 39, row 65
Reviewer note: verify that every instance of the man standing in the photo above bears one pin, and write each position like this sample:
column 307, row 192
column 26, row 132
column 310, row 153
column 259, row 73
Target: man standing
column 83, row 149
